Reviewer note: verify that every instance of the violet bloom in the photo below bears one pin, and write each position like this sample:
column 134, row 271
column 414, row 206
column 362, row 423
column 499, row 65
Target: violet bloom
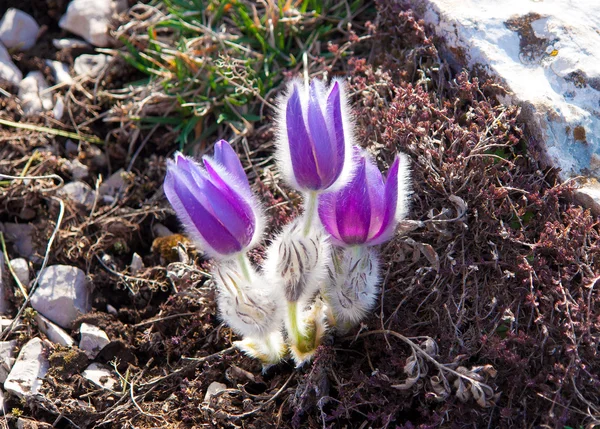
column 315, row 136
column 366, row 211
column 214, row 203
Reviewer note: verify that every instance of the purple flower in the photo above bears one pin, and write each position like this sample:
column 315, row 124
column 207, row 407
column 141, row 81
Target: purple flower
column 366, row 210
column 214, row 203
column 315, row 136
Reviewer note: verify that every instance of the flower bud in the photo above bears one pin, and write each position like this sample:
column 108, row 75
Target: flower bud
column 353, row 287
column 366, row 211
column 214, row 203
column 315, row 136
column 298, row 262
column 247, row 303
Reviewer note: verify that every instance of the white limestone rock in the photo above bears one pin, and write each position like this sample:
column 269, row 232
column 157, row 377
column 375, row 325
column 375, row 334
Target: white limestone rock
column 547, row 53
column 7, row 358
column 8, row 70
column 55, row 333
column 90, row 65
column 214, row 388
column 18, row 30
column 21, row 268
column 60, row 71
column 5, row 323
column 29, row 370
column 59, row 108
column 77, row 169
column 93, row 340
column 101, row 376
column 62, row 295
column 588, row 195
column 79, row 192
column 137, row 264
column 34, row 94
column 90, row 19
column 70, row 43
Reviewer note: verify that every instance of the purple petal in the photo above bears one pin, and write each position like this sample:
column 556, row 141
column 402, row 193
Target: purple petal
column 327, row 213
column 334, row 112
column 376, row 190
column 228, row 206
column 324, row 153
column 183, row 196
column 391, row 200
column 301, row 150
column 226, row 156
column 353, row 211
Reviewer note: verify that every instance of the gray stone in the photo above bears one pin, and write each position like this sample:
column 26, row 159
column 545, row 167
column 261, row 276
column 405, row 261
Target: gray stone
column 34, row 94
column 21, row 235
column 55, row 333
column 90, row 19
column 93, row 339
column 62, row 295
column 101, row 376
column 160, row 230
column 18, row 30
column 90, row 65
column 29, row 370
column 79, row 192
column 77, row 169
column 7, row 358
column 71, row 147
column 23, row 423
column 547, row 53
column 21, row 268
column 111, row 186
column 60, row 71
column 8, row 70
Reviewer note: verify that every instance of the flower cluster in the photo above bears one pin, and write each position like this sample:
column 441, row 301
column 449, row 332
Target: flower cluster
column 322, row 271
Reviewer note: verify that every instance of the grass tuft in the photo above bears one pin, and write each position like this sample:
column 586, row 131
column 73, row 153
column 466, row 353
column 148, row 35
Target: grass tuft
column 218, row 63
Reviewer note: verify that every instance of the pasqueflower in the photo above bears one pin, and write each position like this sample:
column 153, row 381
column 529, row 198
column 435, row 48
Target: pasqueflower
column 215, row 203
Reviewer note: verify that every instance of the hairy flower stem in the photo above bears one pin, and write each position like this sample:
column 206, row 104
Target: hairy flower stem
column 295, row 333
column 243, row 263
column 302, row 342
column 310, row 211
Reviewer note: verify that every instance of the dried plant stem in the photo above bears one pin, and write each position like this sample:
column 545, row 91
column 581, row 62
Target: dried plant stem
column 67, row 134
column 418, row 350
column 10, row 268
